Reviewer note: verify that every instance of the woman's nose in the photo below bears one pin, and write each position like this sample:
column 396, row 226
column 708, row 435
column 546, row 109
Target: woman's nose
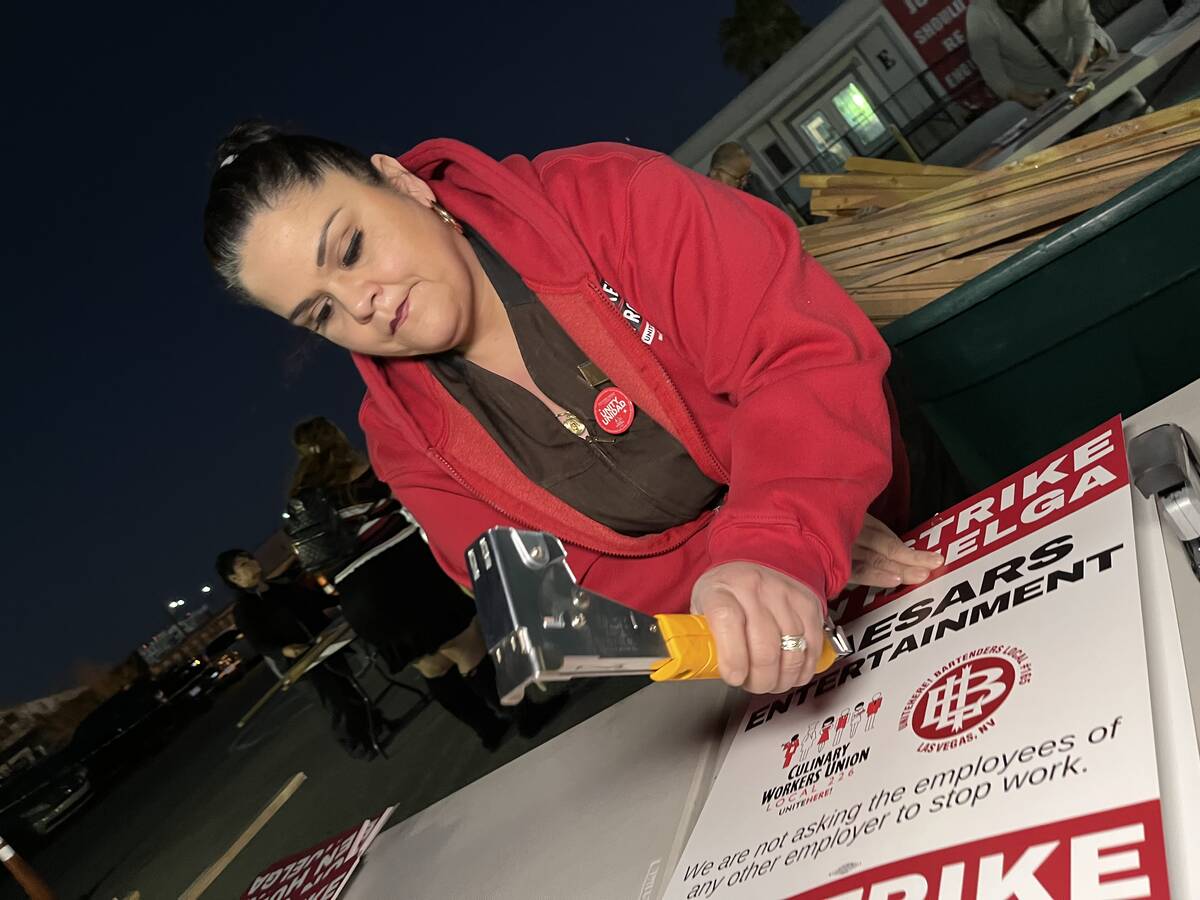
column 361, row 300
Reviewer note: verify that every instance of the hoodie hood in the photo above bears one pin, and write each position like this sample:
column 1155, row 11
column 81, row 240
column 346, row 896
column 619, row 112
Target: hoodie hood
column 504, row 201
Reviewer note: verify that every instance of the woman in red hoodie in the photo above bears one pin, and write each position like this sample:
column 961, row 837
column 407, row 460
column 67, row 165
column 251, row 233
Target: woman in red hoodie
column 601, row 344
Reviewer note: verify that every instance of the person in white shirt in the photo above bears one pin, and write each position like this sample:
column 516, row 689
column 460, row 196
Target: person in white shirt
column 1013, row 64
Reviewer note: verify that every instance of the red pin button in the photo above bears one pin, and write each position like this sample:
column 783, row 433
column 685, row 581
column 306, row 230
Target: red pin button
column 613, row 411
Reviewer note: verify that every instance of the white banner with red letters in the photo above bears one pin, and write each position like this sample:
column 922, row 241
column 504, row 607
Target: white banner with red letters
column 990, row 736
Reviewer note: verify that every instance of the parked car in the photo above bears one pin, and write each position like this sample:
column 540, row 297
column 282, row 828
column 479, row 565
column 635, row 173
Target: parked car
column 136, row 723
column 122, row 731
column 231, row 655
column 188, row 687
column 37, row 800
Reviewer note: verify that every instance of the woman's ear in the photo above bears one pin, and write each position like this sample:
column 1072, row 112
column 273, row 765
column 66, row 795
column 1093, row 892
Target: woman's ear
column 402, row 180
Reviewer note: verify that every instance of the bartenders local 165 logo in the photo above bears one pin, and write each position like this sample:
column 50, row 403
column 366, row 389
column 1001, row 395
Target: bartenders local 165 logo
column 958, row 702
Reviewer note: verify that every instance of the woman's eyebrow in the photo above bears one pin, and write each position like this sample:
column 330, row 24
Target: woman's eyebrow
column 324, row 235
column 301, row 308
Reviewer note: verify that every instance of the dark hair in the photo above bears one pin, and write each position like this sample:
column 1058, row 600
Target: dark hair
column 256, row 164
column 225, row 563
column 327, row 458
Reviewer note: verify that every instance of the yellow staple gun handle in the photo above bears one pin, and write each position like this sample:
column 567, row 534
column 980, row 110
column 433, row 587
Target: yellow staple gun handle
column 694, row 652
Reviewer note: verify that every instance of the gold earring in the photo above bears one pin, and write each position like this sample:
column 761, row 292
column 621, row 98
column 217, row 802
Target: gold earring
column 444, row 215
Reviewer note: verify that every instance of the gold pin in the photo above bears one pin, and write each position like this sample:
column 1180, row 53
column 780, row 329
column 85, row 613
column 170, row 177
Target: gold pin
column 573, row 424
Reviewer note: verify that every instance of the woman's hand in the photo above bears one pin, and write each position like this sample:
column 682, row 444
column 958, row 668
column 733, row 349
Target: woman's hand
column 294, row 651
column 749, row 608
column 1080, row 67
column 880, row 559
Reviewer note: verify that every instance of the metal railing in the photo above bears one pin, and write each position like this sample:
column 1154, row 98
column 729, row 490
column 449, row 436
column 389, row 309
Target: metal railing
column 920, row 115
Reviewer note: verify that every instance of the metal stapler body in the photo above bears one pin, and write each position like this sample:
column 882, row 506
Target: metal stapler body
column 540, row 625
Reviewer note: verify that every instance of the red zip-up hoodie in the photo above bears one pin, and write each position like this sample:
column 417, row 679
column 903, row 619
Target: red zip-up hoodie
column 745, row 350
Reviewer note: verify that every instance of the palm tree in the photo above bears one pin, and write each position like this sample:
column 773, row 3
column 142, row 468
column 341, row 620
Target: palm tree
column 758, row 33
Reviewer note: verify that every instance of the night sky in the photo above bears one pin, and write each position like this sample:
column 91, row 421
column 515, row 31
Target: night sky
column 147, row 413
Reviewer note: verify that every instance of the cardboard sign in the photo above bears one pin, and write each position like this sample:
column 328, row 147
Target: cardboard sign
column 991, row 734
column 320, row 872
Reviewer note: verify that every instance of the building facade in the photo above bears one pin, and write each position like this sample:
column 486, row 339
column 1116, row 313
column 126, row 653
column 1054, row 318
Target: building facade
column 889, row 78
column 880, row 78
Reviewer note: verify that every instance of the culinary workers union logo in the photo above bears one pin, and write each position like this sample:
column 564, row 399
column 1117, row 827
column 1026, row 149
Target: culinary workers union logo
column 960, row 698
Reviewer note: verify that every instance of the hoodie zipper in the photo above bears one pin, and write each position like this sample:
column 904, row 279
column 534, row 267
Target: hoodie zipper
column 712, row 458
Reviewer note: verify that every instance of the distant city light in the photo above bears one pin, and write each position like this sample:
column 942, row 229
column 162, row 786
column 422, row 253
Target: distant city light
column 286, row 516
column 206, row 589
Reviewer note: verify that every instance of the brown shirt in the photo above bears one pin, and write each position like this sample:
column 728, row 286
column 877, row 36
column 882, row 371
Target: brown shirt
column 640, row 482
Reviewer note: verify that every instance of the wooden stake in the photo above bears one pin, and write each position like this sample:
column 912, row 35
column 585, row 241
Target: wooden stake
column 870, row 233
column 1087, row 158
column 899, row 167
column 886, row 182
column 1084, row 163
column 1114, row 134
column 964, row 239
column 887, row 307
column 209, row 875
column 839, row 200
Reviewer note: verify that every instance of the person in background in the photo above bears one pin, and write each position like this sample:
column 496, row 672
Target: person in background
column 329, row 460
column 401, row 602
column 280, row 621
column 731, row 165
column 1063, row 40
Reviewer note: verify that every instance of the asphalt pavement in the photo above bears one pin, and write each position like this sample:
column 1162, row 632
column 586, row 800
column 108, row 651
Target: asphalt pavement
column 165, row 823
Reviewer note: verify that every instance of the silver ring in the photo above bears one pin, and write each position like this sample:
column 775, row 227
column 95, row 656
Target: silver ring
column 793, row 642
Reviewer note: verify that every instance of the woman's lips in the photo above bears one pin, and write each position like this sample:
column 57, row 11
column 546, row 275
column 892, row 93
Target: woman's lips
column 401, row 315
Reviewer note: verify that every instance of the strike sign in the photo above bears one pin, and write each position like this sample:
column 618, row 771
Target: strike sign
column 990, row 736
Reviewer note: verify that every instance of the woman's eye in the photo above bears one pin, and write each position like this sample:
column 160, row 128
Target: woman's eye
column 322, row 315
column 353, row 250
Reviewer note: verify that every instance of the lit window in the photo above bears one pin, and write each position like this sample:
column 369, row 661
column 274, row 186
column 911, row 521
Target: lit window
column 853, row 106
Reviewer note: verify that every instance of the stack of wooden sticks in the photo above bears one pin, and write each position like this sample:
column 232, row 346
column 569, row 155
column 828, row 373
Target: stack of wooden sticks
column 869, row 185
column 904, row 235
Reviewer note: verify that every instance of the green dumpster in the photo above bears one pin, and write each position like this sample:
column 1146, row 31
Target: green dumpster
column 1100, row 317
